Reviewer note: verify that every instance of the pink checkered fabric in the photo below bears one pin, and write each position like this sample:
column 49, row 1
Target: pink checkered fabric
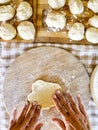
column 87, row 54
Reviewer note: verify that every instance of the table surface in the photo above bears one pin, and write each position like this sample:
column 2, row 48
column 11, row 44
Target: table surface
column 88, row 55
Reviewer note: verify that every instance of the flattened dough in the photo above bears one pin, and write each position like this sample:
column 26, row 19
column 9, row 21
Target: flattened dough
column 92, row 35
column 42, row 92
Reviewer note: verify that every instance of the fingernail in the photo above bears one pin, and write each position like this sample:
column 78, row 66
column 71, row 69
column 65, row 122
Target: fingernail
column 68, row 91
column 39, row 107
column 34, row 102
column 58, row 91
column 54, row 96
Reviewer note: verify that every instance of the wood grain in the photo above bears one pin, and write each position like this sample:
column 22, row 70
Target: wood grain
column 43, row 33
column 50, row 64
column 15, row 22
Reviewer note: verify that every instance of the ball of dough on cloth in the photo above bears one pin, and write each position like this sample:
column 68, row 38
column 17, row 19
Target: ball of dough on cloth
column 24, row 11
column 76, row 32
column 7, row 12
column 92, row 35
column 56, row 20
column 56, row 4
column 7, row 31
column 26, row 30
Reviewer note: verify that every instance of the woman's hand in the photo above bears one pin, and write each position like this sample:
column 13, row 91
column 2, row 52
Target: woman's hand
column 27, row 119
column 74, row 116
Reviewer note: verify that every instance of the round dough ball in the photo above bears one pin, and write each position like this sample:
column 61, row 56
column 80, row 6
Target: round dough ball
column 76, row 32
column 76, row 6
column 56, row 20
column 56, row 4
column 4, row 1
column 93, row 5
column 93, row 21
column 42, row 92
column 7, row 31
column 7, row 12
column 26, row 30
column 24, row 11
column 92, row 35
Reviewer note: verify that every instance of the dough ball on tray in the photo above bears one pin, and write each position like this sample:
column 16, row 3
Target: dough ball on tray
column 7, row 31
column 24, row 11
column 56, row 4
column 76, row 6
column 42, row 92
column 56, row 21
column 92, row 35
column 76, row 32
column 93, row 5
column 7, row 12
column 26, row 30
column 93, row 21
column 4, row 1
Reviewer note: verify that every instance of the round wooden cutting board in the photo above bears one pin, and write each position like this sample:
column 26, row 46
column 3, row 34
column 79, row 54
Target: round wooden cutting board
column 94, row 85
column 49, row 64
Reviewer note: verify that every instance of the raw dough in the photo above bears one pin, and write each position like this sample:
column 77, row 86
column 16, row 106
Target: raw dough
column 7, row 31
column 56, row 20
column 24, row 11
column 76, row 32
column 56, row 4
column 76, row 6
column 26, row 30
column 93, row 21
column 92, row 35
column 93, row 5
column 7, row 12
column 4, row 1
column 42, row 92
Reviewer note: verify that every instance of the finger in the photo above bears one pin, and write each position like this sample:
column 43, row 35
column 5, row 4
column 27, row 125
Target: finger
column 13, row 120
column 39, row 126
column 72, row 102
column 63, row 101
column 59, row 107
column 81, row 107
column 60, row 123
column 23, row 113
column 29, row 115
column 35, row 117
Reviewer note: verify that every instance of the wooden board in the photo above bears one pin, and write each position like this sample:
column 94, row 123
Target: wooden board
column 94, row 85
column 49, row 64
column 43, row 35
column 15, row 22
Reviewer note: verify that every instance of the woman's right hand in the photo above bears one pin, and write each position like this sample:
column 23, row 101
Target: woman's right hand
column 74, row 115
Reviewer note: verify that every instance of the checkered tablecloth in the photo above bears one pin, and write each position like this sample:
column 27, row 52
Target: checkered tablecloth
column 88, row 55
